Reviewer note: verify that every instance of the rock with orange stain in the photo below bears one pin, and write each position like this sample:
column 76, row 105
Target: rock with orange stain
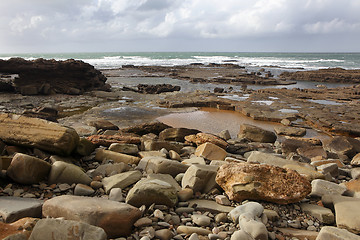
column 22, row 227
column 201, row 138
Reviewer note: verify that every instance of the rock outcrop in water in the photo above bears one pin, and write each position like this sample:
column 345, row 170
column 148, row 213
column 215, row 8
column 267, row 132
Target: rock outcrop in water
column 337, row 75
column 44, row 77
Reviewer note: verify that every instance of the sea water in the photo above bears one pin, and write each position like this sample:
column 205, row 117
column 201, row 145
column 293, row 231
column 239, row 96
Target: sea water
column 110, row 60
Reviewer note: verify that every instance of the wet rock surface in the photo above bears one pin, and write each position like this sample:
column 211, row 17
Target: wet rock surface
column 177, row 168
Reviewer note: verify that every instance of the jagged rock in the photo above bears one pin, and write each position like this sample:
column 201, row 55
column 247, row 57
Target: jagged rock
column 157, row 89
column 115, row 218
column 256, row 134
column 107, row 140
column 201, row 138
column 290, row 131
column 149, row 191
column 342, row 145
column 262, row 182
column 176, row 134
column 37, row 133
column 26, row 169
column 49, row 228
column 200, row 178
column 50, row 76
column 210, row 151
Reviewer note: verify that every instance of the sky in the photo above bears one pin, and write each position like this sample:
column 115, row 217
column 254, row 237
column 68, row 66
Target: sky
column 40, row 26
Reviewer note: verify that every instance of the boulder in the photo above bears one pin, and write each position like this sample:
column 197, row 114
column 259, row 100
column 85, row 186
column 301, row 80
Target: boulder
column 342, row 145
column 262, row 182
column 26, row 169
column 200, row 178
column 176, row 134
column 290, row 131
column 15, row 208
column 256, row 134
column 115, row 218
column 210, row 151
column 334, row 233
column 150, row 191
column 49, row 228
column 311, row 152
column 42, row 76
column 291, row 145
column 121, row 180
column 321, row 187
column 201, row 138
column 62, row 172
column 162, row 165
column 37, row 133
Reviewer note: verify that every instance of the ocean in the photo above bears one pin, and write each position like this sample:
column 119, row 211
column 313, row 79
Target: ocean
column 113, row 60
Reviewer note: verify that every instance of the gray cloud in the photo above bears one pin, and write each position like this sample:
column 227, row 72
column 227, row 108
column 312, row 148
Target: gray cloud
column 155, row 25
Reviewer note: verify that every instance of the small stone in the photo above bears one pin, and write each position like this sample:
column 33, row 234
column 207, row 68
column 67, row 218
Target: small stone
column 96, row 184
column 194, row 236
column 185, row 194
column 145, row 221
column 164, row 234
column 190, row 230
column 223, row 200
column 159, row 214
column 241, row 235
column 201, row 220
column 83, row 190
column 116, row 195
column 221, row 218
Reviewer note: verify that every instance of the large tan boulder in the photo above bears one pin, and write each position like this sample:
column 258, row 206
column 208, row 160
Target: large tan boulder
column 262, row 182
column 114, row 217
column 26, row 169
column 37, row 133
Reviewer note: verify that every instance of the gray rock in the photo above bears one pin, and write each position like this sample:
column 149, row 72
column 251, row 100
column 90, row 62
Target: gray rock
column 241, row 235
column 253, row 208
column 83, row 190
column 116, row 195
column 162, row 165
column 164, row 234
column 190, row 230
column 15, row 208
column 26, row 169
column 331, row 168
column 256, row 134
column 121, row 180
column 49, row 228
column 102, row 155
column 290, row 131
column 325, row 215
column 62, row 172
column 109, row 169
column 334, row 233
column 208, row 205
column 201, row 220
column 321, row 187
column 115, row 218
column 166, row 178
column 125, row 148
column 149, row 191
column 200, row 178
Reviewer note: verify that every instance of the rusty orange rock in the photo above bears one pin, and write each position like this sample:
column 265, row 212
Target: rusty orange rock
column 262, row 182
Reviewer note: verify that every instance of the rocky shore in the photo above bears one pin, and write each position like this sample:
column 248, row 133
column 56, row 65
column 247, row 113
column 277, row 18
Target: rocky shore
column 96, row 165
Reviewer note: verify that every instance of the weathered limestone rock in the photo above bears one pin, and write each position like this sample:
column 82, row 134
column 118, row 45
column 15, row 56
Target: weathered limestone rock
column 103, row 155
column 325, row 215
column 256, row 134
column 201, row 138
column 356, row 160
column 15, row 208
column 321, row 187
column 290, row 131
column 346, row 213
column 50, row 228
column 37, row 133
column 261, row 182
column 62, row 172
column 26, row 169
column 342, row 145
column 162, row 165
column 149, row 191
column 115, row 218
column 125, row 148
column 200, row 178
column 210, row 151
column 334, row 233
column 176, row 134
column 121, row 180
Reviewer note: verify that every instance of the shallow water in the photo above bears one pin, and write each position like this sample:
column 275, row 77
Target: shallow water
column 213, row 121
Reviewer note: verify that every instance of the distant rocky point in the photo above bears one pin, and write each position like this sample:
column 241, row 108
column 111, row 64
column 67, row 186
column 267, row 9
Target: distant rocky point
column 44, row 77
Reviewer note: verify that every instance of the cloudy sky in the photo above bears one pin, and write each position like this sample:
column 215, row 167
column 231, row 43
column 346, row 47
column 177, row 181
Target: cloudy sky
column 179, row 25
